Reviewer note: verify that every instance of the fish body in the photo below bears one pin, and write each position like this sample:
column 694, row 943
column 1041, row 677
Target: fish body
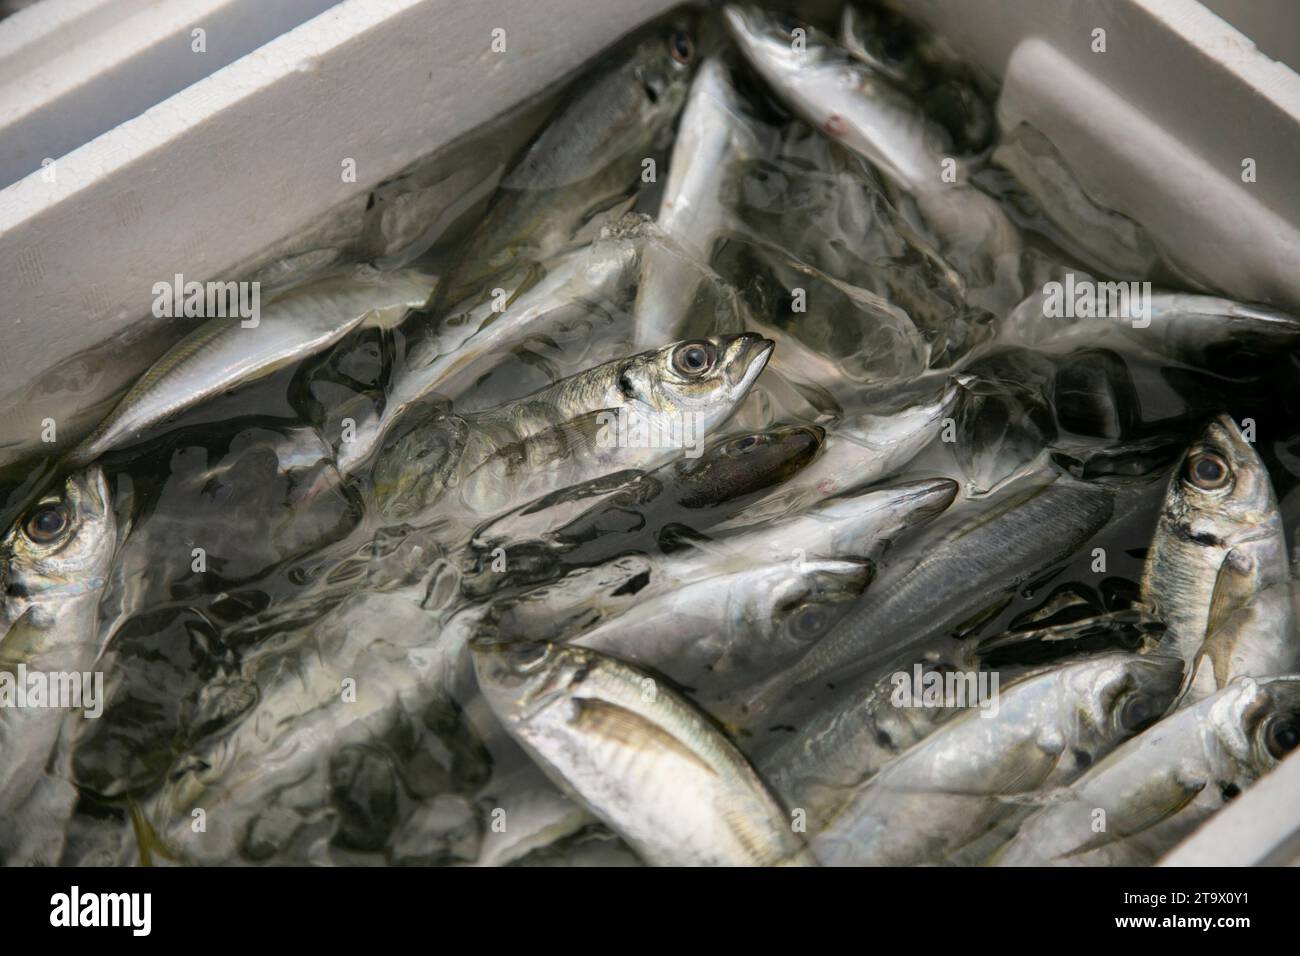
column 1218, row 541
column 714, row 136
column 635, row 412
column 587, row 157
column 54, row 564
column 222, row 353
column 963, row 780
column 1142, row 800
column 638, row 755
column 577, row 287
column 602, row 513
column 1027, row 531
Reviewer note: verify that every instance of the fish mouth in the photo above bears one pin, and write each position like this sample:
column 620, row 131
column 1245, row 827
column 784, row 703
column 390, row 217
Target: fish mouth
column 748, row 353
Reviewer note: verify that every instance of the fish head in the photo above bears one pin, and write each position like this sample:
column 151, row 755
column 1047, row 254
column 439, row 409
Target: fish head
column 1130, row 693
column 1272, row 721
column 772, row 40
column 1221, row 493
column 696, row 384
column 520, row 678
column 663, row 63
column 749, row 463
column 789, row 607
column 62, row 546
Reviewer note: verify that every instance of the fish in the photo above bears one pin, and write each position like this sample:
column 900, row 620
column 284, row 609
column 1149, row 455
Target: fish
column 222, row 354
column 635, row 412
column 1146, row 796
column 637, row 755
column 717, row 632
column 578, row 287
column 1218, row 542
column 1258, row 639
column 844, row 99
column 714, row 136
column 1027, row 529
column 345, row 681
column 862, row 448
column 586, row 158
column 596, row 518
column 856, row 524
column 54, row 564
column 1199, row 330
column 960, row 782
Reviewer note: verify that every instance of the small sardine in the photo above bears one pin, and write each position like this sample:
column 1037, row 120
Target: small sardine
column 222, row 354
column 963, row 780
column 638, row 755
column 1139, row 802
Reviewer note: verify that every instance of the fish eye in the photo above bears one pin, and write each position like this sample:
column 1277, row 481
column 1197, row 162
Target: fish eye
column 526, row 657
column 1137, row 713
column 1281, row 736
column 47, row 523
column 680, row 46
column 693, row 358
column 1208, row 471
column 809, row 623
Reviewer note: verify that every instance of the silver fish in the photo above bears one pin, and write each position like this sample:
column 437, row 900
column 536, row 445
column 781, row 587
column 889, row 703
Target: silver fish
column 54, row 563
column 847, row 101
column 1139, row 802
column 720, row 631
column 638, row 755
column 222, row 354
column 1195, row 329
column 599, row 421
column 1218, row 542
column 1024, row 532
column 863, row 448
column 962, row 781
column 578, row 287
column 714, row 135
column 586, row 158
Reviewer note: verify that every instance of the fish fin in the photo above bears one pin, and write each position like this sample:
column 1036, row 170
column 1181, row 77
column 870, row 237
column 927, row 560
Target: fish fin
column 632, row 730
column 147, row 841
column 1234, row 588
column 1158, row 803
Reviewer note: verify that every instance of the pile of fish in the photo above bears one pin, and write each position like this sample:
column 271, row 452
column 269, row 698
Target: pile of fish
column 728, row 493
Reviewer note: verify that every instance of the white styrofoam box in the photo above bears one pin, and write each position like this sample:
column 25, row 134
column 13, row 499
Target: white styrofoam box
column 237, row 162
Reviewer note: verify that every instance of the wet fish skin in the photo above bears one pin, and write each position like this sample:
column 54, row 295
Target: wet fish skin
column 962, row 780
column 446, row 359
column 861, row 524
column 592, row 515
column 54, row 564
column 221, row 354
column 1026, row 531
column 586, row 158
column 638, row 755
column 714, row 136
column 1218, row 541
column 862, row 448
column 567, row 432
column 1189, row 328
column 715, row 633
column 847, row 101
column 1160, row 786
